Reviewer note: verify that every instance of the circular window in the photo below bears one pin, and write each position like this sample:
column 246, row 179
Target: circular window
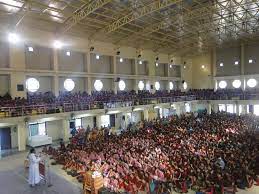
column 32, row 84
column 141, row 85
column 122, row 85
column 236, row 83
column 171, row 86
column 185, row 85
column 157, row 85
column 98, row 85
column 222, row 84
column 69, row 85
column 251, row 83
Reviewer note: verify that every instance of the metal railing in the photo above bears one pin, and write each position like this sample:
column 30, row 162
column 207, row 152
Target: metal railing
column 71, row 107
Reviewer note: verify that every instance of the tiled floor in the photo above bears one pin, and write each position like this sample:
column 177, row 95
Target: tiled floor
column 13, row 179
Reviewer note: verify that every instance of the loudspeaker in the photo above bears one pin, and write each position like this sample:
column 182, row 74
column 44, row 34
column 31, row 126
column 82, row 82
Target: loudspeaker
column 183, row 81
column 151, row 87
column 20, row 87
column 117, row 79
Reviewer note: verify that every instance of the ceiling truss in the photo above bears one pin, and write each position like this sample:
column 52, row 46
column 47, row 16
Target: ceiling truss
column 172, row 26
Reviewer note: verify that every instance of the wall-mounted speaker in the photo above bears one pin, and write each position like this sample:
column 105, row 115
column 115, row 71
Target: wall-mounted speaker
column 117, row 79
column 20, row 87
column 151, row 87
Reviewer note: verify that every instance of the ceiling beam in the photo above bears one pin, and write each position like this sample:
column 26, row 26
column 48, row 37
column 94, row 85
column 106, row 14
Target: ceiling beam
column 83, row 13
column 140, row 12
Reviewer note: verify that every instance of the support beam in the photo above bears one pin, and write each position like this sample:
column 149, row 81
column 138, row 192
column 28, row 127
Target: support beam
column 143, row 11
column 83, row 13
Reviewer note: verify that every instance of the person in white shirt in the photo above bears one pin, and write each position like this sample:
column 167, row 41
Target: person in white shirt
column 34, row 174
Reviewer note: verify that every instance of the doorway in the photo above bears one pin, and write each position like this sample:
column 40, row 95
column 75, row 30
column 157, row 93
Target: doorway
column 5, row 138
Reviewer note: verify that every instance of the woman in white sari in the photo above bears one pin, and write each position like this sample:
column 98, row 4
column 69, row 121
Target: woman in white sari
column 34, row 174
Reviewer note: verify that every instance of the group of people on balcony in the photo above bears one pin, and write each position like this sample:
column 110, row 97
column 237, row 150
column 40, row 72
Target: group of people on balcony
column 38, row 103
column 206, row 153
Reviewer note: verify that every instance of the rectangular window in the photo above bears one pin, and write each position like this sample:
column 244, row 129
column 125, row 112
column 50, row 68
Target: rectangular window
column 222, row 107
column 256, row 109
column 37, row 129
column 78, row 123
column 42, row 129
column 230, row 108
column 105, row 120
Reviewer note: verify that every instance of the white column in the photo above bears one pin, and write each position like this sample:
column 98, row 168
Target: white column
column 65, row 130
column 145, row 112
column 22, row 136
column 209, row 108
column 115, row 84
column 242, row 66
column 89, row 85
column 213, row 67
column 242, row 60
column 88, row 81
column 55, row 68
column 237, row 108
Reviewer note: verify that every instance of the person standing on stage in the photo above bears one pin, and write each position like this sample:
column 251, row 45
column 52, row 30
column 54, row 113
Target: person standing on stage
column 34, row 174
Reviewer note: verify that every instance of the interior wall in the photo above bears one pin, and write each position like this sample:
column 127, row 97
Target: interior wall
column 79, row 83
column 4, row 84
column 161, row 69
column 125, row 67
column 201, row 78
column 107, row 84
column 186, row 73
column 41, row 58
column 175, row 71
column 46, row 83
column 75, row 62
column 142, row 68
column 129, row 84
column 54, row 129
column 87, row 121
column 251, row 52
column 101, row 65
column 228, row 56
column 4, row 55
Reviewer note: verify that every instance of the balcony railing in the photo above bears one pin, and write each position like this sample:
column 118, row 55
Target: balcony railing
column 71, row 107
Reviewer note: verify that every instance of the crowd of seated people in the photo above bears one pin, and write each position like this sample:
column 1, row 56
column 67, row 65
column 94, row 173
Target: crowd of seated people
column 207, row 153
column 38, row 103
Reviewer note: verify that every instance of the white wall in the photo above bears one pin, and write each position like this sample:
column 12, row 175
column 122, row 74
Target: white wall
column 87, row 121
column 4, row 84
column 41, row 58
column 125, row 67
column 75, row 62
column 54, row 129
column 4, row 55
column 101, row 65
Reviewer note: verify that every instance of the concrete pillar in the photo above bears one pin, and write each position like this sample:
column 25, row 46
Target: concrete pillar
column 88, row 80
column 242, row 66
column 55, row 68
column 88, row 62
column 56, row 85
column 89, row 85
column 65, row 130
column 17, row 62
column 115, row 84
column 145, row 111
column 22, row 136
column 213, row 68
column 209, row 108
column 242, row 59
column 136, row 67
